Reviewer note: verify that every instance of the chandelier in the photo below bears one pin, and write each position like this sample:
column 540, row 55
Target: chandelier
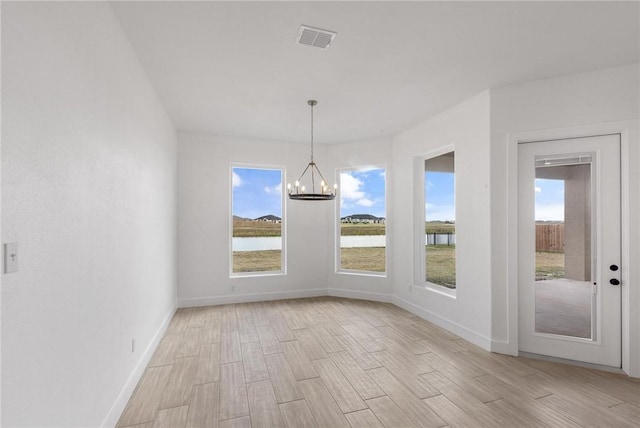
column 299, row 191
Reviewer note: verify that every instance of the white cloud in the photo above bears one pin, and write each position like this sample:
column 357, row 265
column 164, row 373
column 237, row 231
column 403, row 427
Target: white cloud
column 350, row 187
column 538, row 189
column 274, row 190
column 364, row 202
column 236, row 181
column 352, row 193
column 366, row 168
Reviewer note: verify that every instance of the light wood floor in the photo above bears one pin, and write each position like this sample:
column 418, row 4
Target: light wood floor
column 329, row 362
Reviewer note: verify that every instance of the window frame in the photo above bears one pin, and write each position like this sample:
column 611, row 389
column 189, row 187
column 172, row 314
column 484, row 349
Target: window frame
column 419, row 218
column 283, row 223
column 337, row 223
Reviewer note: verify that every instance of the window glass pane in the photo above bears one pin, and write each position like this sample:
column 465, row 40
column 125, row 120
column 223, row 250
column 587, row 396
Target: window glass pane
column 440, row 220
column 362, row 220
column 549, row 217
column 257, row 219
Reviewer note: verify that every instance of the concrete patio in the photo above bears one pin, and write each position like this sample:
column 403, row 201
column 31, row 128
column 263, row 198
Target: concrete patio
column 563, row 306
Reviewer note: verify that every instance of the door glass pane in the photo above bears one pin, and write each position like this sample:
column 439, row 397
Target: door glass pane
column 564, row 256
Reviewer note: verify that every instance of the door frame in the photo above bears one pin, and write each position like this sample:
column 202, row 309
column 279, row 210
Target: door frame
column 628, row 131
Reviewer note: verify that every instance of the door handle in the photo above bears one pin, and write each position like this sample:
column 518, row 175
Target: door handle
column 614, row 281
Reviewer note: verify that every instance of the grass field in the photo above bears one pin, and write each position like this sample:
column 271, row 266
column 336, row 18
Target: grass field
column 440, row 262
column 439, row 227
column 549, row 265
column 367, row 259
column 255, row 229
column 256, row 261
column 370, row 259
column 441, row 265
column 350, row 229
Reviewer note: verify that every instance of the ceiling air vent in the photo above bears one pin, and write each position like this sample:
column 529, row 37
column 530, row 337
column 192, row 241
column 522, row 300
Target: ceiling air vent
column 315, row 37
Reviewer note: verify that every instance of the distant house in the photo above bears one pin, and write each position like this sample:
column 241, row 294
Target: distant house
column 269, row 219
column 362, row 219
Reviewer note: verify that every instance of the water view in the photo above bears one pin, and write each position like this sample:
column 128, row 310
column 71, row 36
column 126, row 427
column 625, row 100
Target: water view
column 364, row 241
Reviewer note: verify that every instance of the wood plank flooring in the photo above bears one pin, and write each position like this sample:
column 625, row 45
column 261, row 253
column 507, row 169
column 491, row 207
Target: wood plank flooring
column 332, row 362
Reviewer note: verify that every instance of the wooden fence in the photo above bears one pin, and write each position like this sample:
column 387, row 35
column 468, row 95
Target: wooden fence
column 550, row 238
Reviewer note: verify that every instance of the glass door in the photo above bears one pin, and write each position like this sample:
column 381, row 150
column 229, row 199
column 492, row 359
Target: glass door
column 569, row 249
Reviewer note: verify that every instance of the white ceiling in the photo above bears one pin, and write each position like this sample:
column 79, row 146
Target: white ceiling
column 233, row 68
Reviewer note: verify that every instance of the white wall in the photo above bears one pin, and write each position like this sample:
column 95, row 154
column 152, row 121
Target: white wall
column 203, row 222
column 465, row 126
column 1, row 235
column 562, row 106
column 354, row 155
column 89, row 192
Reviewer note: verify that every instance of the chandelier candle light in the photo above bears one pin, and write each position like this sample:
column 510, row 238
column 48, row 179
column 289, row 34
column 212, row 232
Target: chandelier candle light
column 297, row 191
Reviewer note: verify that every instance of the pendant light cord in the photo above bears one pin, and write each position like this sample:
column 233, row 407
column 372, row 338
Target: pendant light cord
column 311, row 133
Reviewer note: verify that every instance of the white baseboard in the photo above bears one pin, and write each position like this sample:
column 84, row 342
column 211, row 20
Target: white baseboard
column 504, row 347
column 572, row 363
column 256, row 297
column 363, row 295
column 125, row 394
column 457, row 329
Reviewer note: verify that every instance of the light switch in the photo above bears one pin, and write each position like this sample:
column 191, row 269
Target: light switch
column 10, row 257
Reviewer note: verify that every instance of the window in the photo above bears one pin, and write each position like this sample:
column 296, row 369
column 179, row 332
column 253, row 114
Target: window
column 440, row 220
column 362, row 220
column 257, row 221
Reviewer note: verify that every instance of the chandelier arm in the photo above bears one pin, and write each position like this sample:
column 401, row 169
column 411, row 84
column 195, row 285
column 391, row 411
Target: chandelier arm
column 313, row 177
column 303, row 172
column 322, row 176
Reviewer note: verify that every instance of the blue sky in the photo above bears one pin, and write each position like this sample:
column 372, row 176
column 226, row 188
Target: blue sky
column 549, row 200
column 362, row 192
column 439, row 196
column 256, row 192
